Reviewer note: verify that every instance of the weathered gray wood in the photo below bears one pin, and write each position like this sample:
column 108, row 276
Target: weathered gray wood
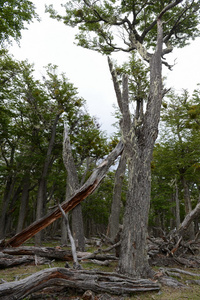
column 7, row 261
column 97, row 282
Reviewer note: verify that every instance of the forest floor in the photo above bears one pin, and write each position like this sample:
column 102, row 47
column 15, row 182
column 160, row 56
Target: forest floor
column 190, row 291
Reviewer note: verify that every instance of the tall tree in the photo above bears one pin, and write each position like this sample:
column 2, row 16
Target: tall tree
column 152, row 29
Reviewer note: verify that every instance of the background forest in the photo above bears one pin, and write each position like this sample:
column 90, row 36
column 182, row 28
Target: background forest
column 32, row 119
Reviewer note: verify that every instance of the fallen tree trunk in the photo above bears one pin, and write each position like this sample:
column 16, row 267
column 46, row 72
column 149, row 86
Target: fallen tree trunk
column 10, row 257
column 48, row 252
column 7, row 261
column 80, row 280
column 88, row 188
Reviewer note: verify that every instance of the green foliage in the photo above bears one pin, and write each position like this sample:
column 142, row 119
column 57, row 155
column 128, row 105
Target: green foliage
column 101, row 22
column 13, row 16
column 176, row 156
column 29, row 108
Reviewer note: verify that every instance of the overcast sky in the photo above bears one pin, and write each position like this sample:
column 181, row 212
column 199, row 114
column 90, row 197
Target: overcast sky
column 50, row 41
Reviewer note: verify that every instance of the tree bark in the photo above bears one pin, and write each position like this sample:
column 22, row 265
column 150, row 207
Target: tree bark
column 178, row 219
column 23, row 204
column 5, row 204
column 88, row 188
column 113, row 226
column 97, row 282
column 189, row 234
column 139, row 138
column 72, row 185
column 41, row 198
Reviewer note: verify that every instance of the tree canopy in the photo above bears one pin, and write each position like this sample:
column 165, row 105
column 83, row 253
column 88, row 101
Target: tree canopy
column 13, row 16
column 114, row 25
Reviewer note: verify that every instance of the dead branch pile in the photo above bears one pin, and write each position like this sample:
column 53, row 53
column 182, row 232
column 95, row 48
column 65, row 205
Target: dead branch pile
column 173, row 250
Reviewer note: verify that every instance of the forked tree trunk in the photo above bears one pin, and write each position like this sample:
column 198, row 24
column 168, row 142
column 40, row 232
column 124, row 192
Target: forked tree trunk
column 139, row 137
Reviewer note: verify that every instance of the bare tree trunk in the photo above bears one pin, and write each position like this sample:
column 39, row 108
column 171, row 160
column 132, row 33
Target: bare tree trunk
column 41, row 198
column 72, row 186
column 5, row 204
column 178, row 220
column 64, row 236
column 189, row 234
column 113, row 226
column 23, row 204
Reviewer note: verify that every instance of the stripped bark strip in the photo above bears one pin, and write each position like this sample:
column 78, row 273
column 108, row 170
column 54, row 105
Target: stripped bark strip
column 88, row 188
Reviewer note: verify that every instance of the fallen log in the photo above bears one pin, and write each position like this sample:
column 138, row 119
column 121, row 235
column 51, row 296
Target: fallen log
column 7, row 261
column 97, row 282
column 49, row 252
column 10, row 257
column 56, row 253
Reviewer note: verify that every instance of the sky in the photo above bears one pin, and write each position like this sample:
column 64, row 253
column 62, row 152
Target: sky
column 50, row 41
